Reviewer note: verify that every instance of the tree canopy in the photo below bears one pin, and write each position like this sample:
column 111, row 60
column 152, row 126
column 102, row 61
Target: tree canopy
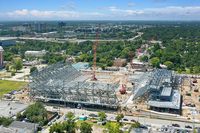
column 36, row 113
column 85, row 128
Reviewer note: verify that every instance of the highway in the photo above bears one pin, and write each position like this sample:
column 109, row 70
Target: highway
column 65, row 40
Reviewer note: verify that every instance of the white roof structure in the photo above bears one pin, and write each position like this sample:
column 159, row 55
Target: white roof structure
column 166, row 91
column 1, row 48
column 35, row 53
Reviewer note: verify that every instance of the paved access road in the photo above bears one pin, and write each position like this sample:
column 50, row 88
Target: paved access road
column 111, row 116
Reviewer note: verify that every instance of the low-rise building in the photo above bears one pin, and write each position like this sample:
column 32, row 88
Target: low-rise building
column 23, row 127
column 35, row 53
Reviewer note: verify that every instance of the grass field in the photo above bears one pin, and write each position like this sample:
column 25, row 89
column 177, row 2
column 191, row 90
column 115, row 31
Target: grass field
column 8, row 86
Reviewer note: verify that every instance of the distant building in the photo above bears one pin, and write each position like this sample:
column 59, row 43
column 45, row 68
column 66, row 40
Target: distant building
column 35, row 53
column 119, row 62
column 19, row 28
column 40, row 27
column 138, row 66
column 1, row 56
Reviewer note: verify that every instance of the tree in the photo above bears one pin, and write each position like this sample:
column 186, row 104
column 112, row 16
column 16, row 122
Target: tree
column 7, row 67
column 70, row 116
column 17, row 64
column 135, row 125
column 56, row 128
column 5, row 121
column 196, row 69
column 169, row 64
column 144, row 58
column 36, row 113
column 69, row 126
column 113, row 127
column 155, row 62
column 102, row 116
column 85, row 128
column 119, row 117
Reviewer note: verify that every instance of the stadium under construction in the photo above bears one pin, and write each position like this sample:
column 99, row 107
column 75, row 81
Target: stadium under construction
column 61, row 82
column 160, row 89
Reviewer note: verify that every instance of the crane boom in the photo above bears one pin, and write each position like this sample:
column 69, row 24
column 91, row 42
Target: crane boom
column 95, row 55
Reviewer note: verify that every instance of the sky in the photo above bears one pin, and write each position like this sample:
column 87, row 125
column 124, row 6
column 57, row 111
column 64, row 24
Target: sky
column 99, row 10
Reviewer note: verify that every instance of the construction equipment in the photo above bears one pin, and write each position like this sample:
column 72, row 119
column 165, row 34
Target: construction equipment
column 95, row 55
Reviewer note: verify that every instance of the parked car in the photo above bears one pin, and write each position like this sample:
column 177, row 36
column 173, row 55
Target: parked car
column 188, row 126
column 93, row 115
column 175, row 125
column 125, row 119
column 133, row 120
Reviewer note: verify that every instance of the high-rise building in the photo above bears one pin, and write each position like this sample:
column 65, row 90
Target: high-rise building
column 1, row 56
column 40, row 27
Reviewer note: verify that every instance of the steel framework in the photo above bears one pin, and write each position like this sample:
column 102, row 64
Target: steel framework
column 62, row 82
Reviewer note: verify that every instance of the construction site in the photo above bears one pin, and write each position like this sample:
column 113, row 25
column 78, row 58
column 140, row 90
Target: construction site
column 191, row 97
column 62, row 82
column 132, row 88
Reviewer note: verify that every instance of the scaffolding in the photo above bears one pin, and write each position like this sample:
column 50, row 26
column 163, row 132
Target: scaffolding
column 62, row 82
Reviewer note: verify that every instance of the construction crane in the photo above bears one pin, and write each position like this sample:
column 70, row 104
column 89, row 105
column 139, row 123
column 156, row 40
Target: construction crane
column 95, row 55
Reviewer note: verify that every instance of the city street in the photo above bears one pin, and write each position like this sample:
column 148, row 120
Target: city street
column 157, row 123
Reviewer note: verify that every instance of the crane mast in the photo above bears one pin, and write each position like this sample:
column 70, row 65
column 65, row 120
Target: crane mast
column 95, row 55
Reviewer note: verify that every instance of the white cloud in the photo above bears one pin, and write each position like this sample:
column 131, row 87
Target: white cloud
column 124, row 12
column 112, row 12
column 162, row 12
column 19, row 12
column 39, row 14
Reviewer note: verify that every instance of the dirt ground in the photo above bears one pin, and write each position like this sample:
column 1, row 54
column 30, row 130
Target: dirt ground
column 191, row 103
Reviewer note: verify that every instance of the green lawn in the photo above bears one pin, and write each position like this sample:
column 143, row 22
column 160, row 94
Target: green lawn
column 8, row 86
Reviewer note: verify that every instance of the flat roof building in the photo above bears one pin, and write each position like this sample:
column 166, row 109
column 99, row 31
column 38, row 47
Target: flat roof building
column 23, row 127
column 35, row 53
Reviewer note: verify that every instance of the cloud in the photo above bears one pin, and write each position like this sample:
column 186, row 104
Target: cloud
column 40, row 14
column 124, row 12
column 112, row 12
column 43, row 14
column 19, row 12
column 165, row 11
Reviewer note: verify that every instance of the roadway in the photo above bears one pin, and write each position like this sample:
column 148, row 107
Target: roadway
column 146, row 120
column 69, row 40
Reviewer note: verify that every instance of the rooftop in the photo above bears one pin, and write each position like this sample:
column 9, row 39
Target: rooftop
column 166, row 91
column 8, row 108
column 1, row 48
column 175, row 103
column 26, row 127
